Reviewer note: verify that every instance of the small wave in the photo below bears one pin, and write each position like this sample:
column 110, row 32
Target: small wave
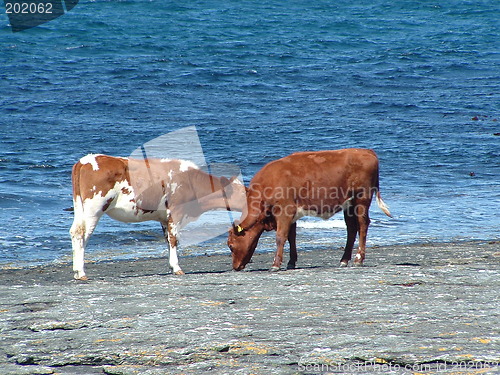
column 76, row 47
column 41, row 166
column 321, row 224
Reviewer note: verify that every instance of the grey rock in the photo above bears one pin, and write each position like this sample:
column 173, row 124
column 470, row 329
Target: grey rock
column 409, row 307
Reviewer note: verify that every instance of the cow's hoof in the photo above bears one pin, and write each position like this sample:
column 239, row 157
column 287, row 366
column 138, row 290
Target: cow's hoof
column 290, row 266
column 343, row 264
column 180, row 272
column 358, row 264
column 82, row 278
column 274, row 269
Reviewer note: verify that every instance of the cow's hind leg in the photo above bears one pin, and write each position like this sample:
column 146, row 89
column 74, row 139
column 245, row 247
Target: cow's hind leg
column 77, row 233
column 80, row 232
column 363, row 223
column 352, row 230
column 170, row 231
column 292, row 240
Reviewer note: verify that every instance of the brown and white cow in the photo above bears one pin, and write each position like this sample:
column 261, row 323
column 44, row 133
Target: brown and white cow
column 172, row 192
column 308, row 184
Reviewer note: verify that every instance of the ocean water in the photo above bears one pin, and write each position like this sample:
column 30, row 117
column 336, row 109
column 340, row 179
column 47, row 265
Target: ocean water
column 418, row 82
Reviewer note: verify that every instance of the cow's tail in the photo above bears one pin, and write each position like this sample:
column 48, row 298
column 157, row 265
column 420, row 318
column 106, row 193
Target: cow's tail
column 382, row 204
column 75, row 180
column 78, row 228
column 77, row 199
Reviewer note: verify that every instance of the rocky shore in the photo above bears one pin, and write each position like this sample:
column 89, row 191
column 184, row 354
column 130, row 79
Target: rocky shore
column 420, row 309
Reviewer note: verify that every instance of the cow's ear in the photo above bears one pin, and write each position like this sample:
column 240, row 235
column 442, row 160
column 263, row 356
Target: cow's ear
column 238, row 229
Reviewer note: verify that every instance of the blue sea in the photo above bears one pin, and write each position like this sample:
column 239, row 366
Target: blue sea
column 417, row 81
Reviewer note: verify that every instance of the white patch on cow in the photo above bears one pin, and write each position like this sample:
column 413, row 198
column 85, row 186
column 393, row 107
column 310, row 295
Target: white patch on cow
column 91, row 159
column 173, row 259
column 77, row 204
column 165, row 160
column 124, row 207
column 96, row 203
column 170, row 174
column 173, row 187
column 185, row 165
column 174, row 229
column 357, row 257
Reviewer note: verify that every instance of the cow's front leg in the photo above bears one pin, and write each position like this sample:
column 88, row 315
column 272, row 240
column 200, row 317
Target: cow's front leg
column 170, row 231
column 282, row 230
column 292, row 236
column 278, row 256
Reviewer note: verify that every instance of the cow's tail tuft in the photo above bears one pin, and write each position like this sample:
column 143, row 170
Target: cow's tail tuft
column 382, row 204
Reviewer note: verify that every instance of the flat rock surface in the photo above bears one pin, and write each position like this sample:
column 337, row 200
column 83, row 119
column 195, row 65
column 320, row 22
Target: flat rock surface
column 420, row 309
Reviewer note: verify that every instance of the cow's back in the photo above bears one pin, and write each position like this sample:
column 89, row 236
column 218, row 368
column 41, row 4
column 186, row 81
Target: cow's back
column 344, row 168
column 97, row 173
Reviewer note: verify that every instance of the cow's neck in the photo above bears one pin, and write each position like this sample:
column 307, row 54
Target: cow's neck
column 254, row 209
column 204, row 183
column 209, row 191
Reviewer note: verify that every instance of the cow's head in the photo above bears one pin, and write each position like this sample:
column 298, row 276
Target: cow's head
column 242, row 242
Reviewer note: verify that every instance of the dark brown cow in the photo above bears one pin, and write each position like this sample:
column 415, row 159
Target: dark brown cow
column 308, row 184
column 172, row 192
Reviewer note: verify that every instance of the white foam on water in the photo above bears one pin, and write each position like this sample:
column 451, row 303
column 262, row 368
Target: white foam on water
column 321, row 224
